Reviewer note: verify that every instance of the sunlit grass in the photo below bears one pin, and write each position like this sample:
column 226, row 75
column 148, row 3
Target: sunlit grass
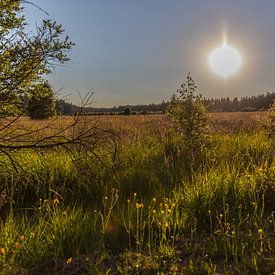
column 139, row 211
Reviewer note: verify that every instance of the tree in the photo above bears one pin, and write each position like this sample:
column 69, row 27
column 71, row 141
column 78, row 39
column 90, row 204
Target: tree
column 190, row 120
column 127, row 111
column 26, row 58
column 41, row 104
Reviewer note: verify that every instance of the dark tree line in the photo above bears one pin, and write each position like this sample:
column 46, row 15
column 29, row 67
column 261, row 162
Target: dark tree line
column 244, row 104
column 253, row 103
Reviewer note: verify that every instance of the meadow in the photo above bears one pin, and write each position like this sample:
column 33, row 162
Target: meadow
column 137, row 205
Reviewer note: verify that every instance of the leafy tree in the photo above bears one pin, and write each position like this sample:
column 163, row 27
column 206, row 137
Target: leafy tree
column 189, row 117
column 25, row 58
column 127, row 111
column 41, row 104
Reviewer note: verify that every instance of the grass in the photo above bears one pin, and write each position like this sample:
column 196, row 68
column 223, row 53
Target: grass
column 138, row 211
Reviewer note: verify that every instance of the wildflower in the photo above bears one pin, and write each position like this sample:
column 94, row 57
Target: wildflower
column 209, row 211
column 173, row 205
column 154, row 211
column 2, row 250
column 69, row 261
column 154, row 199
column 233, row 233
column 221, row 215
column 165, row 205
column 166, row 224
column 106, row 198
column 56, row 201
column 139, row 205
column 135, row 194
column 21, row 237
column 260, row 231
column 17, row 245
column 87, row 259
column 218, row 232
column 162, row 212
column 32, row 235
column 128, row 201
column 254, row 204
column 169, row 210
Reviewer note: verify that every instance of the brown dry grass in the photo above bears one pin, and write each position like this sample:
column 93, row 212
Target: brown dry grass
column 138, row 125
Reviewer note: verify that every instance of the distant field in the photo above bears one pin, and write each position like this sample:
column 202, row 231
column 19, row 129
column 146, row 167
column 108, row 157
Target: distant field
column 231, row 122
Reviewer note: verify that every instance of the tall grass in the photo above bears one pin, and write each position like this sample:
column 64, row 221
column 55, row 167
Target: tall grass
column 138, row 210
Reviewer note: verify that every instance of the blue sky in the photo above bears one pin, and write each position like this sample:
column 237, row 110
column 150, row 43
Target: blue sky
column 134, row 52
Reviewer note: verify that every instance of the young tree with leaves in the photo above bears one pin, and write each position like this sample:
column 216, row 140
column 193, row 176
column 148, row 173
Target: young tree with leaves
column 190, row 121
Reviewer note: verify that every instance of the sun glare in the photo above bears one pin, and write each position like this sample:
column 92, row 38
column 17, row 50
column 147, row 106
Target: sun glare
column 225, row 60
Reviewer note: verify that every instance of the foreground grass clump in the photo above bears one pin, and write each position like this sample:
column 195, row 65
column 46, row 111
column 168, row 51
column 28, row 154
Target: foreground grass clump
column 140, row 210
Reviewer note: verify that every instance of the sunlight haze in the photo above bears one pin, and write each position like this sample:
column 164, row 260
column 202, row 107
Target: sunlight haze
column 140, row 51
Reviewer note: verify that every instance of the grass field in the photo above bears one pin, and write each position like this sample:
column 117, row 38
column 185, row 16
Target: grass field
column 132, row 207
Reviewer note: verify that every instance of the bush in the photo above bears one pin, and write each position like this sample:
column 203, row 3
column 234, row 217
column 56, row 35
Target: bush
column 127, row 111
column 270, row 125
column 190, row 120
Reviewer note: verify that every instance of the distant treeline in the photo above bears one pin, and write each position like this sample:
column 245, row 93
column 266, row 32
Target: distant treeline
column 245, row 104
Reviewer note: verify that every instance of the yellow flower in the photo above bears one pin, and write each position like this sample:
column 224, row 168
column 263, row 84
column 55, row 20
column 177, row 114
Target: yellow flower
column 166, row 224
column 221, row 215
column 169, row 210
column 128, row 201
column 69, row 261
column 135, row 194
column 154, row 199
column 106, row 198
column 162, row 212
column 32, row 234
column 17, row 245
column 154, row 211
column 139, row 205
column 217, row 232
column 56, row 201
column 166, row 205
column 2, row 250
column 21, row 237
column 260, row 231
column 209, row 211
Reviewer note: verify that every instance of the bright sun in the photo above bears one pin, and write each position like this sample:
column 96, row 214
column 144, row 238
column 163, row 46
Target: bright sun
column 225, row 60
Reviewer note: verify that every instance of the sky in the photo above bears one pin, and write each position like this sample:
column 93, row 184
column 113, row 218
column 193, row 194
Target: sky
column 139, row 52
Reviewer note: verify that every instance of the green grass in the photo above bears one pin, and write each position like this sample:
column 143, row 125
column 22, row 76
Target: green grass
column 138, row 210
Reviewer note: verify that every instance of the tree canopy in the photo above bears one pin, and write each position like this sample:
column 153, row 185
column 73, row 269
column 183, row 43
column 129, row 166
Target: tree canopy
column 25, row 58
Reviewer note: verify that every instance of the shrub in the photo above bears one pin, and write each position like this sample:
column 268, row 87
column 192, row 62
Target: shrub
column 127, row 111
column 270, row 124
column 190, row 120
